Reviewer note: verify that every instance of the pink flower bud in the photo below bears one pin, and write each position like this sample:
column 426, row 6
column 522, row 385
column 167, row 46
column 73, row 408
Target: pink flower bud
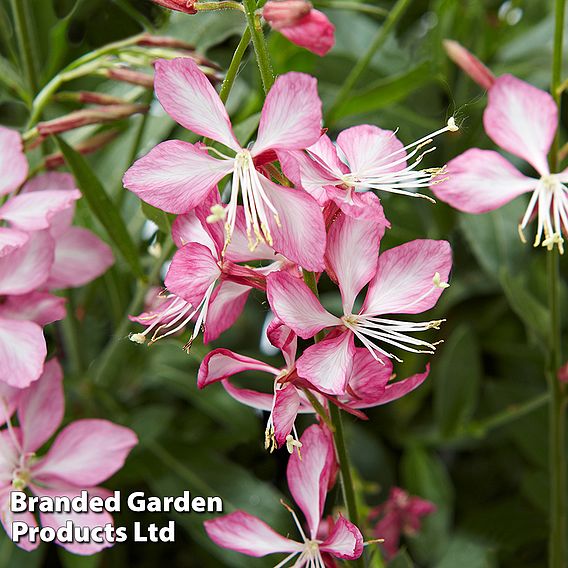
column 186, row 6
column 285, row 13
column 563, row 373
column 129, row 76
column 148, row 40
column 469, row 63
column 89, row 97
column 86, row 147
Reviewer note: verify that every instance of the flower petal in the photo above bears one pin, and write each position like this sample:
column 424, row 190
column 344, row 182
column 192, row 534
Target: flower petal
column 326, row 364
column 365, row 206
column 10, row 240
column 189, row 98
column 291, row 116
column 252, row 398
column 41, row 408
column 368, row 379
column 40, row 307
column 314, row 32
column 22, row 352
column 187, row 228
column 480, row 181
column 9, row 398
column 404, row 283
column 248, row 535
column 175, row 176
column 281, row 336
column 297, row 306
column 345, row 540
column 284, row 412
column 80, row 258
column 86, row 452
column 398, row 389
column 13, row 163
column 8, row 518
column 522, row 120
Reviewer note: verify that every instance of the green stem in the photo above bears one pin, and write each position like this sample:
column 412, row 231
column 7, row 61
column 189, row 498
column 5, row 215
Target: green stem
column 22, row 21
column 380, row 37
column 233, row 69
column 71, row 336
column 221, row 5
column 259, row 43
column 352, row 6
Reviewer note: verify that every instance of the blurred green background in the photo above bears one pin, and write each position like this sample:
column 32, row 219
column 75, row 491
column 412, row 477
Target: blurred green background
column 472, row 439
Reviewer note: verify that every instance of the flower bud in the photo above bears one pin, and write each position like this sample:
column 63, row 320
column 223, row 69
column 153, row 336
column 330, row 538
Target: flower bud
column 88, row 97
column 130, row 76
column 563, row 373
column 285, row 13
column 86, row 147
column 186, row 6
column 469, row 63
column 148, row 40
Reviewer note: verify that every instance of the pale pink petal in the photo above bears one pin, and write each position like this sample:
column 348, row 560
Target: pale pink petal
column 192, row 271
column 365, row 205
column 238, row 249
column 9, row 454
column 42, row 407
column 27, row 267
column 248, row 535
column 297, row 306
column 404, row 283
column 352, row 255
column 34, row 211
column 86, row 452
column 226, row 305
column 281, row 336
column 9, row 398
column 324, row 152
column 252, row 398
column 80, row 257
column 327, row 364
column 189, row 98
column 40, row 307
column 13, row 163
column 345, row 540
column 370, row 151
column 22, row 352
column 291, row 117
column 284, row 412
column 187, row 228
column 479, row 181
column 11, row 239
column 300, row 235
column 89, row 519
column 175, row 176
column 8, row 518
column 469, row 63
column 221, row 364
column 398, row 389
column 522, row 120
column 309, row 474
column 314, row 32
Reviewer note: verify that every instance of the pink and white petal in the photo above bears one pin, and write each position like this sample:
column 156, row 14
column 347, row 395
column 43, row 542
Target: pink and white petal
column 9, row 454
column 291, row 116
column 313, row 32
column 284, row 412
column 220, row 364
column 398, row 389
column 309, row 474
column 296, row 305
column 189, row 98
column 187, row 228
column 11, row 240
column 86, row 452
column 252, row 398
column 365, row 206
column 238, row 249
column 41, row 408
column 192, row 271
column 281, row 336
column 300, row 233
column 8, row 518
column 226, row 305
column 370, row 151
column 13, row 162
column 22, row 352
column 480, row 181
column 88, row 519
column 9, row 398
column 175, row 176
column 34, row 211
column 80, row 258
column 345, row 540
column 248, row 535
column 27, row 267
column 326, row 364
column 368, row 379
column 404, row 282
column 522, row 120
column 352, row 255
column 40, row 307
column 324, row 152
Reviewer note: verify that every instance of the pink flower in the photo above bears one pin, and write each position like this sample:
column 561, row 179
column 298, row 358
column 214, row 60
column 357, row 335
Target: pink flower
column 178, row 5
column 297, row 21
column 84, row 454
column 522, row 120
column 366, row 158
column 407, row 279
column 469, row 63
column 13, row 163
column 400, row 515
column 309, row 479
column 176, row 176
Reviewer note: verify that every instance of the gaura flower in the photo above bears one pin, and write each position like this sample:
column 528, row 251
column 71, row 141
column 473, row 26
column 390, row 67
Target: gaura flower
column 368, row 385
column 309, row 479
column 177, row 176
column 400, row 515
column 366, row 158
column 84, row 454
column 13, row 163
column 407, row 279
column 522, row 120
column 299, row 23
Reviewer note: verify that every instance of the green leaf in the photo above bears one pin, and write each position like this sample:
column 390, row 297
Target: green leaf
column 74, row 561
column 457, row 382
column 161, row 218
column 401, row 560
column 101, row 205
column 467, row 553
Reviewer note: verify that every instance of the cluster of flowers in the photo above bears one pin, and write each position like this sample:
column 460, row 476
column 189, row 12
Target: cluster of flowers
column 306, row 210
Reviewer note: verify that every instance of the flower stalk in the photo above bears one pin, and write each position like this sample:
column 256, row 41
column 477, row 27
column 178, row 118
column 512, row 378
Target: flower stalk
column 259, row 43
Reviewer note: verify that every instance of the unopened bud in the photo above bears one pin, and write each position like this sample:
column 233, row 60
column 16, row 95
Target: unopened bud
column 563, row 373
column 88, row 97
column 285, row 13
column 86, row 147
column 186, row 6
column 469, row 63
column 148, row 40
column 130, row 76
